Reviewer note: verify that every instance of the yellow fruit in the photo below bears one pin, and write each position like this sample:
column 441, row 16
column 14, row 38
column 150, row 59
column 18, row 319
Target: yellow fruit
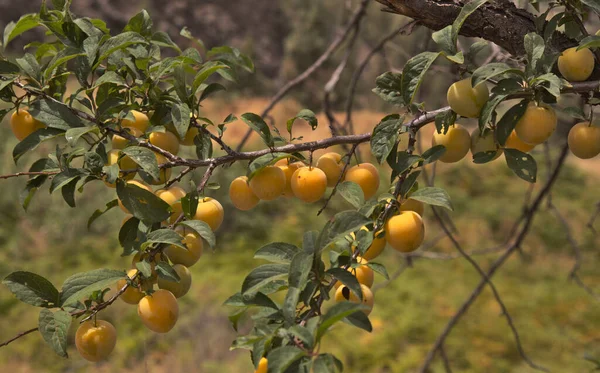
column 23, row 124
column 584, row 140
column 172, row 196
column 514, row 142
column 363, row 273
column 125, row 163
column 486, row 143
column 405, row 232
column 139, row 184
column 141, row 121
column 211, row 212
column 120, row 142
column 242, row 197
column 536, row 125
column 268, row 183
column 188, row 140
column 288, row 171
column 457, row 142
column 309, row 184
column 376, row 247
column 132, row 294
column 330, row 164
column 179, row 289
column 159, row 311
column 366, row 176
column 576, row 65
column 413, row 205
column 263, row 366
column 465, row 100
column 164, row 173
column 343, row 294
column 192, row 241
column 95, row 340
column 165, row 140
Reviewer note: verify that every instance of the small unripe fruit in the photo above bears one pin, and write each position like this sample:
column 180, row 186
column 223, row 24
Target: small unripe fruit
column 344, row 294
column 576, row 65
column 413, row 205
column 165, row 140
column 485, row 143
column 536, row 125
column 584, row 140
column 366, row 176
column 263, row 366
column 363, row 273
column 95, row 340
column 309, row 184
column 465, row 100
column 457, row 142
column 405, row 232
column 120, row 142
column 211, row 212
column 288, row 171
column 132, row 295
column 192, row 241
column 141, row 121
column 242, row 197
column 330, row 164
column 268, row 183
column 159, row 311
column 514, row 142
column 139, row 184
column 179, row 289
column 23, row 124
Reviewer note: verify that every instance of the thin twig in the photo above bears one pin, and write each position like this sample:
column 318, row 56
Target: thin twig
column 22, row 334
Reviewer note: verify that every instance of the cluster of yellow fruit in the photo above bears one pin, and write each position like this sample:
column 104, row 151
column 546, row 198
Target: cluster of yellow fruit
column 307, row 183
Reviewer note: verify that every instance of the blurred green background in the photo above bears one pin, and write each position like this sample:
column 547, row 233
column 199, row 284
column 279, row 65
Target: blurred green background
column 558, row 321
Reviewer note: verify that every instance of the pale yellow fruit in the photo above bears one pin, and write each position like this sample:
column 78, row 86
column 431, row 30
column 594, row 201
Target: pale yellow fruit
column 330, row 164
column 576, row 65
column 514, row 142
column 172, row 196
column 120, row 142
column 536, row 125
column 309, row 184
column 457, row 142
column 263, row 366
column 165, row 140
column 466, row 100
column 132, row 294
column 366, row 176
column 188, row 140
column 95, row 340
column 141, row 121
column 376, row 248
column 413, row 205
column 405, row 232
column 193, row 243
column 288, row 171
column 343, row 294
column 363, row 273
column 125, row 163
column 179, row 289
column 486, row 143
column 584, row 140
column 23, row 124
column 242, row 197
column 211, row 212
column 139, row 184
column 268, row 183
column 159, row 311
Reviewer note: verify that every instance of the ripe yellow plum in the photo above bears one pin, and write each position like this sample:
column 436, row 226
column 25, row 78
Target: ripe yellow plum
column 165, row 140
column 466, row 100
column 309, row 184
column 366, row 176
column 95, row 340
column 188, row 140
column 537, row 124
column 457, row 142
column 159, row 311
column 514, row 142
column 172, row 196
column 584, row 140
column 413, row 205
column 242, row 197
column 288, row 171
column 485, row 143
column 141, row 121
column 23, row 124
column 263, row 366
column 179, row 289
column 211, row 212
column 343, row 294
column 193, row 243
column 120, row 142
column 330, row 164
column 268, row 183
column 376, row 248
column 576, row 65
column 405, row 232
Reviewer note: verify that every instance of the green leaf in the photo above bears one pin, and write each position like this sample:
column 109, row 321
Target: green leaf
column 74, row 134
column 99, row 212
column 592, row 41
column 164, row 236
column 534, row 47
column 54, row 327
column 130, row 237
column 260, row 300
column 140, row 23
column 445, row 120
column 379, row 268
column 264, row 161
column 167, row 272
column 7, row 67
column 110, row 77
column 304, row 334
column 283, row 357
column 443, row 38
column 54, row 114
column 509, row 120
column 433, row 154
column 413, row 73
column 389, row 88
column 31, row 67
column 487, row 112
column 341, row 224
column 204, row 148
column 277, row 252
column 409, row 182
column 207, row 70
column 550, row 82
column 32, row 141
column 118, row 42
column 492, row 70
column 352, row 193
column 202, row 229
column 522, row 164
column 181, row 114
column 32, row 289
column 162, row 39
column 405, row 161
column 360, row 320
column 348, row 279
column 305, row 114
column 143, row 204
column 484, row 157
column 25, row 23
column 262, row 276
column 259, row 126
column 327, row 363
column 299, row 270
column 336, row 313
column 385, row 135
column 145, row 158
column 81, row 285
column 433, row 196
column 465, row 12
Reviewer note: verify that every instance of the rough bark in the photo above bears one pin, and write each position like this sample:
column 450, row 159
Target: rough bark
column 498, row 21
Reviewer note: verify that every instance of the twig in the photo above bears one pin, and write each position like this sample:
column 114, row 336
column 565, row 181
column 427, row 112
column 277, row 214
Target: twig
column 445, row 360
column 22, row 334
column 46, row 173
